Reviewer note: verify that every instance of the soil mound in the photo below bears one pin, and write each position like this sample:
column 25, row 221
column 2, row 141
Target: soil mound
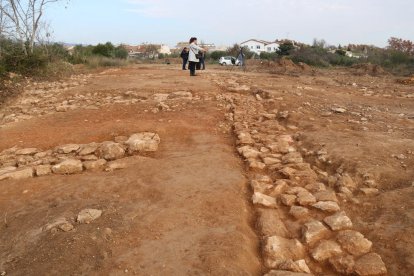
column 283, row 65
column 407, row 81
column 368, row 69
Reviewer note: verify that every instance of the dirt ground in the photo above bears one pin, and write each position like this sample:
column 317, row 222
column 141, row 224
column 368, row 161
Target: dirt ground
column 186, row 209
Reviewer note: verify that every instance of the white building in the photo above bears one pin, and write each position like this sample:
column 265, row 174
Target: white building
column 272, row 47
column 165, row 49
column 258, row 46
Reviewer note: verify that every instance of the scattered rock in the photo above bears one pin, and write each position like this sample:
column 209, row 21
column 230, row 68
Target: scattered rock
column 298, row 266
column 116, row 165
column 260, row 187
column 278, row 250
column 28, row 151
column 88, row 215
column 265, row 200
column 70, row 166
column 163, row 106
column 339, row 221
column 248, row 152
column 270, row 224
column 343, row 264
column 370, row 191
column 338, row 109
column 60, row 223
column 314, row 231
column 143, row 142
column 42, row 170
column 303, row 266
column 88, row 149
column 370, row 264
column 245, row 139
column 271, row 161
column 325, row 250
column 279, row 187
column 110, row 151
column 89, row 157
column 180, row 95
column 354, row 242
column 7, row 169
column 299, row 212
column 347, row 182
column 65, row 149
column 160, row 97
column 285, row 273
column 326, row 196
column 292, row 158
column 288, row 200
column 288, row 172
column 254, row 164
column 327, row 206
column 95, row 165
column 18, row 174
column 283, row 114
column 305, row 198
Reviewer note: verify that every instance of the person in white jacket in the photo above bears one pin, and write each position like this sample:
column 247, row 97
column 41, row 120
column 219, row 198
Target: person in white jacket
column 193, row 53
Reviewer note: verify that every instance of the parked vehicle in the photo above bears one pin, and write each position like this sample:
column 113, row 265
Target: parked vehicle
column 224, row 61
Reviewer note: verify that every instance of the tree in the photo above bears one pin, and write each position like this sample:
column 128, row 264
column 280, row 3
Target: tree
column 216, row 55
column 401, row 45
column 21, row 20
column 319, row 43
column 235, row 51
column 120, row 52
column 285, row 48
column 151, row 50
column 105, row 50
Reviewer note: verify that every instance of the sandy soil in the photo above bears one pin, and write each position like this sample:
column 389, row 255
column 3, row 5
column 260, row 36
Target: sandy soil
column 186, row 209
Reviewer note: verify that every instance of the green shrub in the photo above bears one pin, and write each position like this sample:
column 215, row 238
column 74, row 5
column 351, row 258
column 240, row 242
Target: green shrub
column 99, row 61
column 106, row 50
column 286, row 49
column 269, row 56
column 321, row 57
column 216, row 55
column 120, row 52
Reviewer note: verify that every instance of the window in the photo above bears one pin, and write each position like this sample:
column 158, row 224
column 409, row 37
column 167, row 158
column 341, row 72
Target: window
column 257, row 46
column 251, row 47
column 269, row 49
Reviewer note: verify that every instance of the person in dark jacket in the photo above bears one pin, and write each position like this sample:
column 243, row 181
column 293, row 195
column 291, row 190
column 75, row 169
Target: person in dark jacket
column 202, row 62
column 184, row 56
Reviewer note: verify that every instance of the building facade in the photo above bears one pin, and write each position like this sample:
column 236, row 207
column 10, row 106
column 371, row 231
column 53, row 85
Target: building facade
column 258, row 46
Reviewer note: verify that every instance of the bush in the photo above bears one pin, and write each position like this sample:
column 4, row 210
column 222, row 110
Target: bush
column 120, row 53
column 286, row 49
column 106, row 50
column 99, row 61
column 269, row 56
column 321, row 57
column 13, row 59
column 216, row 55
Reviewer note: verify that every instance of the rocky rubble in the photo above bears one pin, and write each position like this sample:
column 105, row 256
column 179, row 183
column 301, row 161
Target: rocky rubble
column 40, row 99
column 300, row 216
column 72, row 159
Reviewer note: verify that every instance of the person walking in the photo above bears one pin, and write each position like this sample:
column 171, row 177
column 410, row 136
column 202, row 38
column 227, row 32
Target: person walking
column 184, row 56
column 194, row 55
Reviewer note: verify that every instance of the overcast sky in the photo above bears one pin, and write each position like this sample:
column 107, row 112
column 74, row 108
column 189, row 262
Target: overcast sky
column 224, row 22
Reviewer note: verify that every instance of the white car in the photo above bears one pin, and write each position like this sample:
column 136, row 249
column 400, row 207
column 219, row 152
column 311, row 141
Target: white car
column 229, row 61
